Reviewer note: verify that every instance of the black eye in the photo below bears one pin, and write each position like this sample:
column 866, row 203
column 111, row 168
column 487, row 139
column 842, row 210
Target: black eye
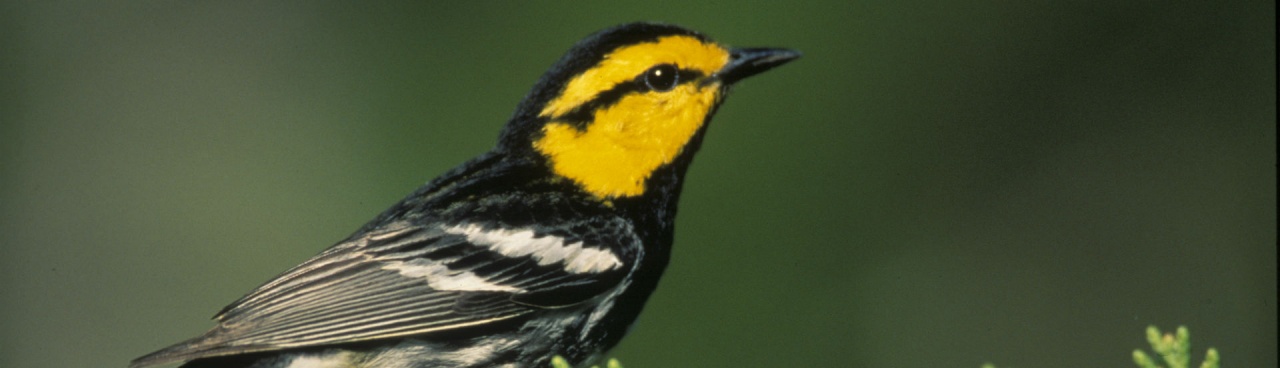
column 662, row 78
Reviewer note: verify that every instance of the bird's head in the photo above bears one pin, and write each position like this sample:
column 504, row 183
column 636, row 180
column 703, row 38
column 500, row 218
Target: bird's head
column 627, row 101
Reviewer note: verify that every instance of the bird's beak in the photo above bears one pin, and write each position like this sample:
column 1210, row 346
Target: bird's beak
column 748, row 62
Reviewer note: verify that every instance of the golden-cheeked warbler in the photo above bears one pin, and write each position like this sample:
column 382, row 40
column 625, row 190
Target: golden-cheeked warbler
column 548, row 245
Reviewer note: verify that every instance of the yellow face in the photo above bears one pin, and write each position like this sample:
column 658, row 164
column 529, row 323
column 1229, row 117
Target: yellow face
column 625, row 141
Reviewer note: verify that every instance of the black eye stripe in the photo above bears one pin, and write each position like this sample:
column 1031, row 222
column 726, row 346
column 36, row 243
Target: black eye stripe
column 581, row 115
column 684, row 76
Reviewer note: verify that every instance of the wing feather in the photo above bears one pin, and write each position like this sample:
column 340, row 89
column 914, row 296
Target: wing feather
column 360, row 290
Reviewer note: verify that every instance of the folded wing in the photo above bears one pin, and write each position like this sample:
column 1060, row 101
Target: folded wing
column 406, row 280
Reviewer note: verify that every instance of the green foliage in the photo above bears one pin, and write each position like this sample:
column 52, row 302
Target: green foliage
column 559, row 362
column 1174, row 348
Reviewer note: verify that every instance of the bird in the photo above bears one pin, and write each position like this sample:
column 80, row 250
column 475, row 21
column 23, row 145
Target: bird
column 546, row 246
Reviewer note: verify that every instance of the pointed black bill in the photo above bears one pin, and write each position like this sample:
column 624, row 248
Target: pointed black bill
column 748, row 62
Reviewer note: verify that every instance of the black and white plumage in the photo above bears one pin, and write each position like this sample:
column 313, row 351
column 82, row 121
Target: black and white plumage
column 508, row 259
column 464, row 271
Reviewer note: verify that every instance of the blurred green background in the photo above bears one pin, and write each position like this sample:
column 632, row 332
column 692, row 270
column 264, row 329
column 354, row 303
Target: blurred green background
column 933, row 184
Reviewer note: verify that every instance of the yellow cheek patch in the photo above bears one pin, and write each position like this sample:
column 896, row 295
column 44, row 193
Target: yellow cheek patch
column 628, row 140
column 626, row 63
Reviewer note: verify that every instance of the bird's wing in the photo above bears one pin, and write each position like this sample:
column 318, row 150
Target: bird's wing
column 405, row 280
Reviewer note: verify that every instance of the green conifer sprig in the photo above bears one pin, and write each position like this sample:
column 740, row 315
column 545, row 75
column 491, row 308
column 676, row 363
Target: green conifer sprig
column 1174, row 349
